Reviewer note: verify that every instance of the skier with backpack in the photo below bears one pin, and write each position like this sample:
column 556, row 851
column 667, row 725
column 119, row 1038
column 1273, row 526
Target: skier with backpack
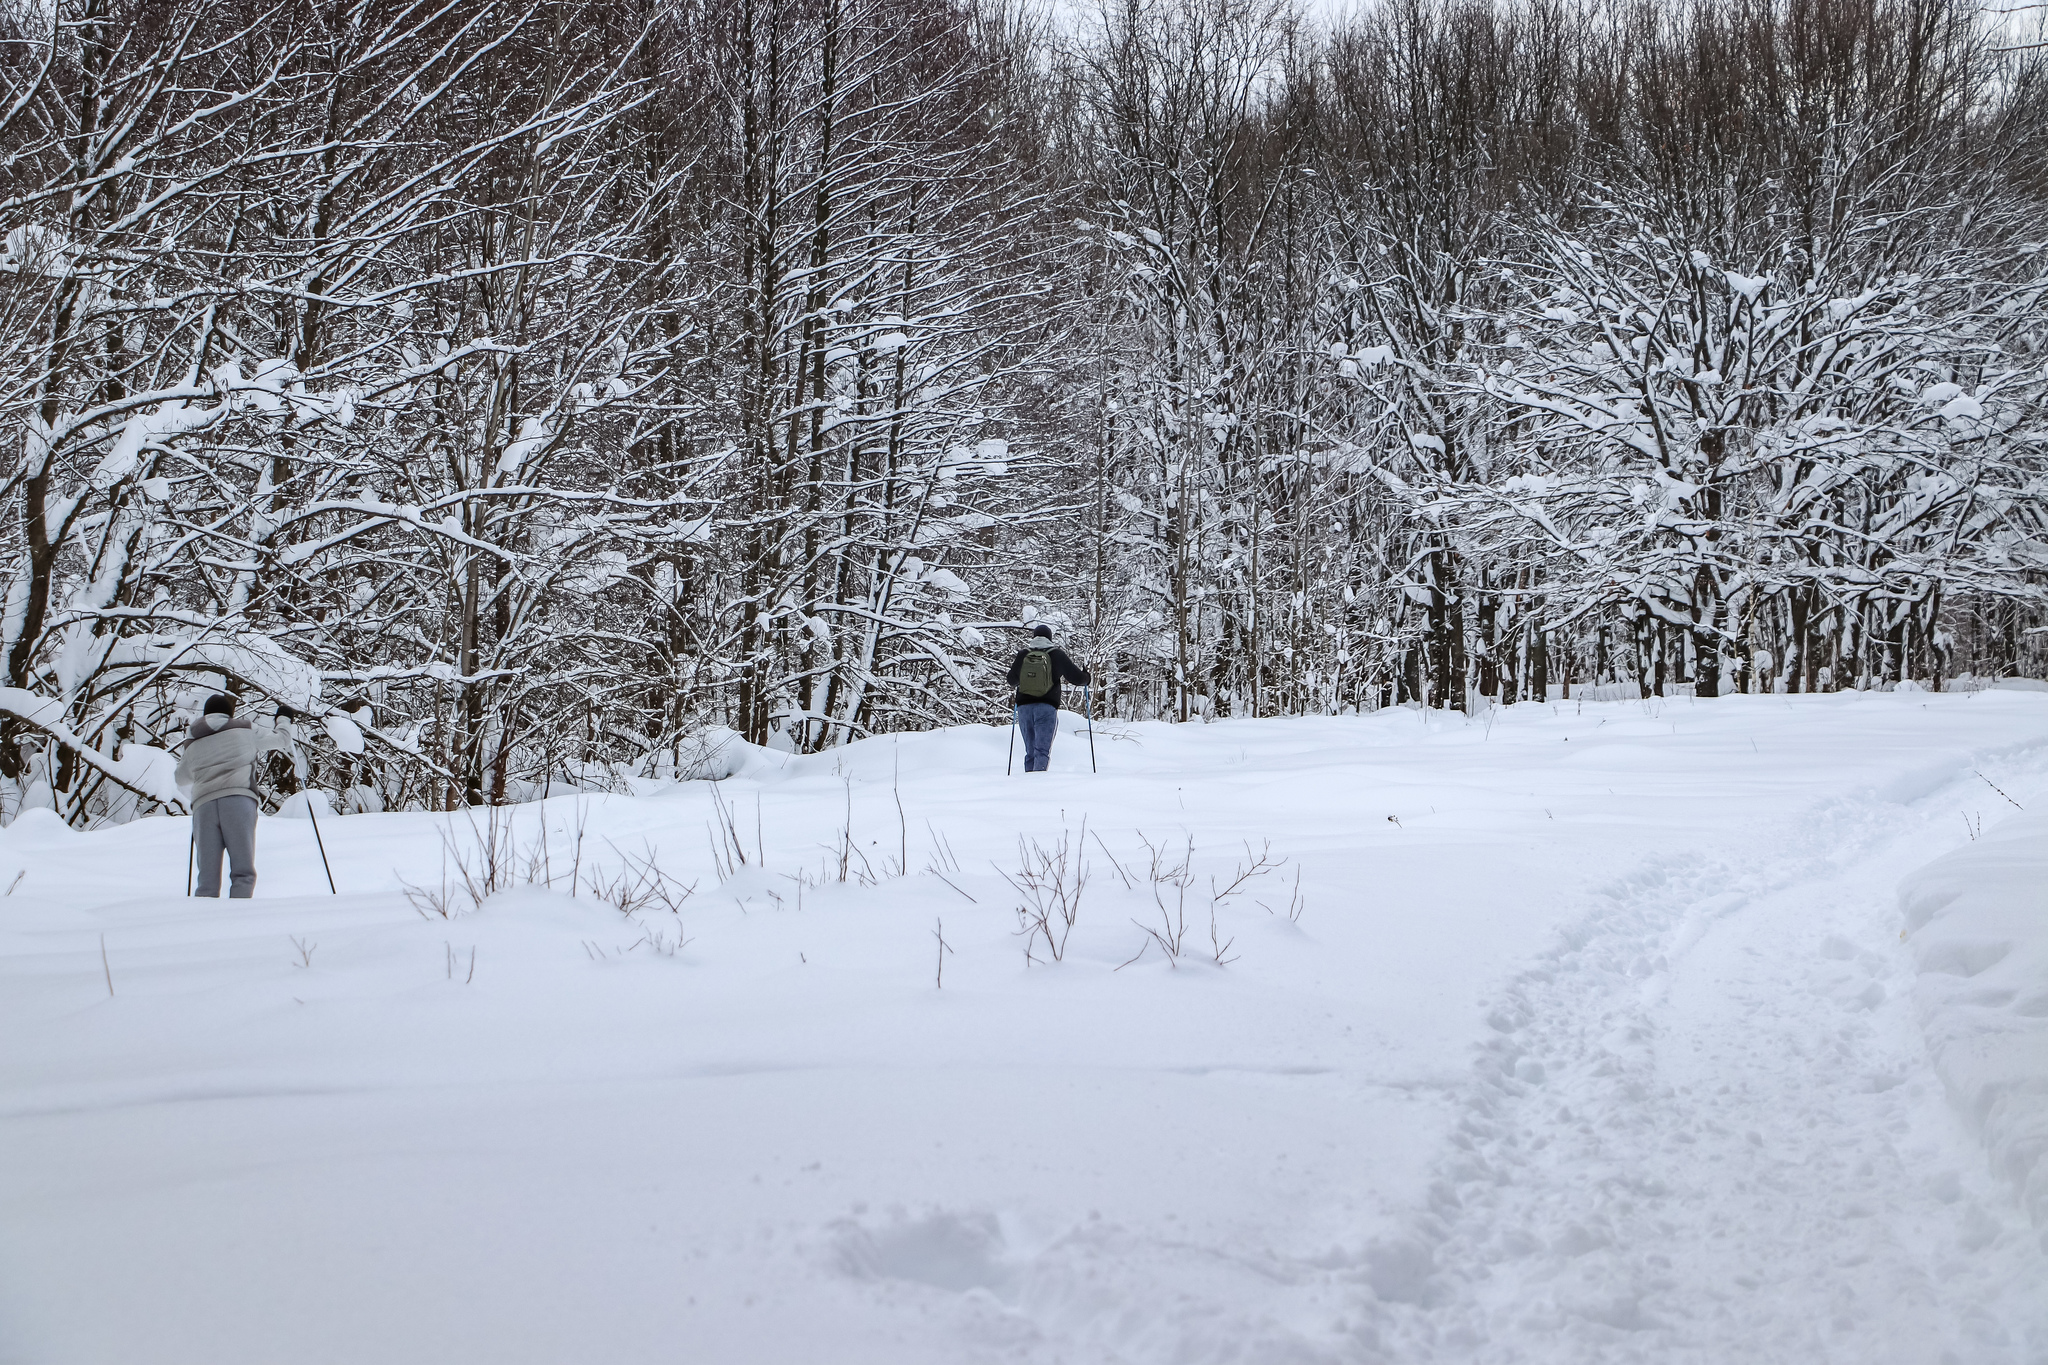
column 1036, row 673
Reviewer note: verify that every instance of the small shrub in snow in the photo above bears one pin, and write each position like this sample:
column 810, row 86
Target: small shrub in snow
column 494, row 858
column 1050, row 880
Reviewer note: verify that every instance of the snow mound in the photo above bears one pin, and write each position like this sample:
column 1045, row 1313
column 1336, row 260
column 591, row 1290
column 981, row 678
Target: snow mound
column 716, row 753
column 302, row 805
column 1977, row 923
column 38, row 825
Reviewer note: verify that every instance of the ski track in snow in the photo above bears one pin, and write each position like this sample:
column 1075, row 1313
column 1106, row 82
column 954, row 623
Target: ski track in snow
column 1708, row 1131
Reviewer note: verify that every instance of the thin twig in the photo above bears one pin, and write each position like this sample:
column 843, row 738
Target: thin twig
column 939, row 933
column 1995, row 787
column 902, row 838
column 949, row 881
column 1112, row 860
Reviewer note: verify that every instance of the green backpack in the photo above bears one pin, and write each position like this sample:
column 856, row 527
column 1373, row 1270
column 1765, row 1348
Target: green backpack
column 1034, row 679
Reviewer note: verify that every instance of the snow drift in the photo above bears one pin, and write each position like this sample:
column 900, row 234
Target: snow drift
column 1977, row 923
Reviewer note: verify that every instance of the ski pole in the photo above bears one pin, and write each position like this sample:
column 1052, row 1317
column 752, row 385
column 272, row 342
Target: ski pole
column 320, row 845
column 1088, row 700
column 191, row 856
column 1010, row 768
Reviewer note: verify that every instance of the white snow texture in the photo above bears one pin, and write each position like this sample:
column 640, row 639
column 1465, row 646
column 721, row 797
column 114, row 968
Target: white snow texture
column 1588, row 1034
column 1977, row 922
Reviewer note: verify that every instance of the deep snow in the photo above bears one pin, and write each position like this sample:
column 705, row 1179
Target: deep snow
column 1977, row 922
column 1596, row 1040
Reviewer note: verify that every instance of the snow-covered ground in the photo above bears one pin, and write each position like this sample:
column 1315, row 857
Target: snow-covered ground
column 1596, row 1038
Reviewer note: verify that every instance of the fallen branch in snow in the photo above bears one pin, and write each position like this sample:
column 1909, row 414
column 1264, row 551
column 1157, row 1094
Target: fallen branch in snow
column 1995, row 787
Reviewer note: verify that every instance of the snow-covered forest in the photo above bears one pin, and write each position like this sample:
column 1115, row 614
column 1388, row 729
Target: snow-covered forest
column 523, row 388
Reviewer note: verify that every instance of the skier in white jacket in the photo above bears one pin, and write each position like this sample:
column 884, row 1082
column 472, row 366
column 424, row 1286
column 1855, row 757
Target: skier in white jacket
column 218, row 767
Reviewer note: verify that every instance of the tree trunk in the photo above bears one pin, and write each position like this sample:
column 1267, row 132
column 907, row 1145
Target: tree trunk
column 1709, row 612
column 1489, row 668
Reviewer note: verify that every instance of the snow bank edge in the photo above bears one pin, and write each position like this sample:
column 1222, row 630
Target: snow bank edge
column 1976, row 923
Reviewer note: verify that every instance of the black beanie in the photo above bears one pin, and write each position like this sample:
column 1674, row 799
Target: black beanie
column 1042, row 629
column 220, row 704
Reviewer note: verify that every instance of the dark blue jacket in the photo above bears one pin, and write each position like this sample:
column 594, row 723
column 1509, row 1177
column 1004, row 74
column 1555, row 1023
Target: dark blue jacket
column 1063, row 670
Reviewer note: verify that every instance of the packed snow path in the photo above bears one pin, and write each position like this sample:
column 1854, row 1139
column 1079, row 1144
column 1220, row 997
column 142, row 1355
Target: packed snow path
column 1596, row 1041
column 1707, row 1131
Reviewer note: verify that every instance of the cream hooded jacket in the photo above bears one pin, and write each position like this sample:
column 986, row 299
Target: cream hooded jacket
column 220, row 758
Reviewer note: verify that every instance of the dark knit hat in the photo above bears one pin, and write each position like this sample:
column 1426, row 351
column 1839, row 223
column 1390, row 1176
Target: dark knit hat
column 220, row 704
column 1042, row 629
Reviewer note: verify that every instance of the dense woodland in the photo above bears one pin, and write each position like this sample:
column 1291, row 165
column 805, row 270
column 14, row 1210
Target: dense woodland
column 523, row 389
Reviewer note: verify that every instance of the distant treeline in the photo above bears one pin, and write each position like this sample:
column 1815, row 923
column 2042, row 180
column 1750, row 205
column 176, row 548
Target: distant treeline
column 530, row 385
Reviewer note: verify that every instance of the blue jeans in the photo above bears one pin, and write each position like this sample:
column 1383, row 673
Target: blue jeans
column 1039, row 721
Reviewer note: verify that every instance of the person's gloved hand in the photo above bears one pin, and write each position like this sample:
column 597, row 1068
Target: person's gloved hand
column 285, row 713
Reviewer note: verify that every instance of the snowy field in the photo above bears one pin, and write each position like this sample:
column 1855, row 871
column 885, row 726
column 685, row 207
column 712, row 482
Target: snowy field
column 1589, row 1032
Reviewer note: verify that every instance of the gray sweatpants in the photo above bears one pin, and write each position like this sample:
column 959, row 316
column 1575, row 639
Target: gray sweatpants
column 226, row 822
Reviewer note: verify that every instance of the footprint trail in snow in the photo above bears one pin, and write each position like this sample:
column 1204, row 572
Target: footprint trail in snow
column 1707, row 1131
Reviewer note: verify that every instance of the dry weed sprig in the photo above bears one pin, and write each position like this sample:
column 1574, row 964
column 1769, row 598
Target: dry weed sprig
column 639, row 884
column 939, row 933
column 1050, row 881
column 1164, row 874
